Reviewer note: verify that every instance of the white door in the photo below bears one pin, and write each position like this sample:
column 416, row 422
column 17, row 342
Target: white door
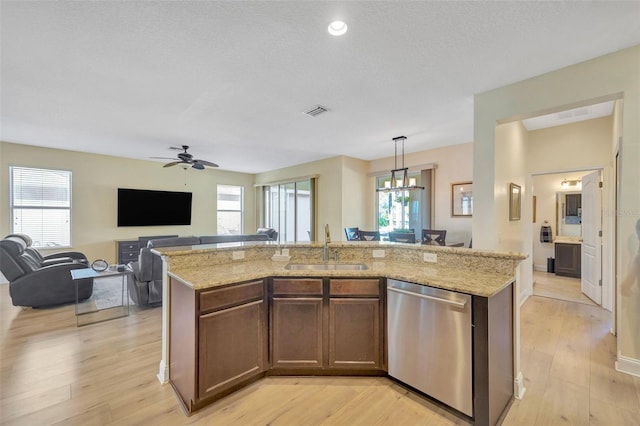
column 591, row 240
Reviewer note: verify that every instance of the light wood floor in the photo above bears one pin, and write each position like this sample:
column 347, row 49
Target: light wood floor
column 53, row 372
column 564, row 288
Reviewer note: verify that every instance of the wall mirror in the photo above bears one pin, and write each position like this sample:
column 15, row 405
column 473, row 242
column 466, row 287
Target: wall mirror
column 515, row 195
column 569, row 214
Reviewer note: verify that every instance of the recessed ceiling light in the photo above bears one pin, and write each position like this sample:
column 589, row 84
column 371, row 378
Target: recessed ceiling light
column 337, row 28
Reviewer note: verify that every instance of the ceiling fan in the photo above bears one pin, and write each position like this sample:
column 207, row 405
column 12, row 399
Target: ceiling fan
column 186, row 158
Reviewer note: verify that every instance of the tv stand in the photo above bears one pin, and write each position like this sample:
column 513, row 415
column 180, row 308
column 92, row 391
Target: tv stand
column 128, row 250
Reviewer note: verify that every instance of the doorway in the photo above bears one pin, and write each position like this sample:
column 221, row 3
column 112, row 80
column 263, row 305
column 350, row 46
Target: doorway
column 560, row 264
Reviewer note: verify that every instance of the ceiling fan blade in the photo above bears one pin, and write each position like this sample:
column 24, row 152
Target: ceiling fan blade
column 164, row 158
column 173, row 163
column 205, row 163
column 180, row 148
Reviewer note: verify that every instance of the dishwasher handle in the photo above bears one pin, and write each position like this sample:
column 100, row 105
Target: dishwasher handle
column 460, row 305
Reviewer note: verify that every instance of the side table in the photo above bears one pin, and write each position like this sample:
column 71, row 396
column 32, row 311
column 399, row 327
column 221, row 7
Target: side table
column 111, row 304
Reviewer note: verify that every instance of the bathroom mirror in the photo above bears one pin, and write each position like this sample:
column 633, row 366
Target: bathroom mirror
column 569, row 214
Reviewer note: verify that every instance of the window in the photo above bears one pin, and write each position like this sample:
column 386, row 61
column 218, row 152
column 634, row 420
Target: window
column 230, row 209
column 288, row 208
column 398, row 210
column 41, row 205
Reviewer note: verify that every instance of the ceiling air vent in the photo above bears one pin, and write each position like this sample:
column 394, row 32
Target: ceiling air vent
column 316, row 110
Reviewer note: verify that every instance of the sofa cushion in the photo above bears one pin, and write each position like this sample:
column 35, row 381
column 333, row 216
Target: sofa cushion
column 215, row 239
column 272, row 233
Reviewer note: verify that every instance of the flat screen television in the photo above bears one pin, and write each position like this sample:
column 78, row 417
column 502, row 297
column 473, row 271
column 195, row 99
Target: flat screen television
column 143, row 207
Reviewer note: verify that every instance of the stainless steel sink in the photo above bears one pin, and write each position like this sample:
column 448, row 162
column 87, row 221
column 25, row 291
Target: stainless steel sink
column 326, row 266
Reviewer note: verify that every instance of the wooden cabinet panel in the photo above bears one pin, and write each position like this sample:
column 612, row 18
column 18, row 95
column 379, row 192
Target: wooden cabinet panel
column 354, row 287
column 568, row 260
column 232, row 295
column 355, row 339
column 297, row 286
column 231, row 347
column 297, row 332
column 183, row 341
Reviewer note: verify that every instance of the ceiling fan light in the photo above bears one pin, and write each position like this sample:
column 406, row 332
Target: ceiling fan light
column 337, row 28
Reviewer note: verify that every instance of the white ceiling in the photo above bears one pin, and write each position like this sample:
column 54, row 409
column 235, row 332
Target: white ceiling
column 231, row 79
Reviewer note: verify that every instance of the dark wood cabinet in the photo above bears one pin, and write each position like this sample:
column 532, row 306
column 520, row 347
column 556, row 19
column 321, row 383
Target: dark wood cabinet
column 568, row 260
column 297, row 331
column 297, row 324
column 355, row 324
column 127, row 251
column 354, row 333
column 324, row 325
column 231, row 347
column 218, row 341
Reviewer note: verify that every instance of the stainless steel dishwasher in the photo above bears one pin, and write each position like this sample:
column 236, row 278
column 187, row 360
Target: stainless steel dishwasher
column 429, row 335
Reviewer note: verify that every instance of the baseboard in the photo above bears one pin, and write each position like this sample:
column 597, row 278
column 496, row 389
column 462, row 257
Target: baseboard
column 163, row 373
column 518, row 386
column 524, row 296
column 540, row 268
column 628, row 365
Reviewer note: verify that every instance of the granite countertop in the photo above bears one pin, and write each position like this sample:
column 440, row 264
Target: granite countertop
column 568, row 240
column 476, row 283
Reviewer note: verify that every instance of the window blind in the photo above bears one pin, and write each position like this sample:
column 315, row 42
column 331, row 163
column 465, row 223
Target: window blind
column 41, row 205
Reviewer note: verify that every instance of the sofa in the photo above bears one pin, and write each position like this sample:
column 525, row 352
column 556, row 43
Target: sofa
column 145, row 283
column 41, row 281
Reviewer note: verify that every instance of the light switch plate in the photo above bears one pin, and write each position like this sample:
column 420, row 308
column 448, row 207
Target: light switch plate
column 237, row 255
column 430, row 257
column 378, row 253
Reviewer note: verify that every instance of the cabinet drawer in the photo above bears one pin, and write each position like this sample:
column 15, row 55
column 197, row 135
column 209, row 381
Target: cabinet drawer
column 229, row 296
column 297, row 286
column 354, row 287
column 128, row 256
column 129, row 246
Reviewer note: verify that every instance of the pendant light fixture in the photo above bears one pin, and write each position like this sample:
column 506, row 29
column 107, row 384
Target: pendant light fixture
column 400, row 180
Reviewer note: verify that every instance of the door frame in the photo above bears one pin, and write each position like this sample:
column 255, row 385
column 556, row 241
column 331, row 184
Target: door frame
column 608, row 226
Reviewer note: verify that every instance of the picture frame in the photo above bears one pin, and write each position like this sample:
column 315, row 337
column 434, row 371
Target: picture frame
column 462, row 199
column 515, row 201
column 534, row 209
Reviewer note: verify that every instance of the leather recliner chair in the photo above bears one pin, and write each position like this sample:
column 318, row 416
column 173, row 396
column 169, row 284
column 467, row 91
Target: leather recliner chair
column 37, row 284
column 145, row 284
column 53, row 258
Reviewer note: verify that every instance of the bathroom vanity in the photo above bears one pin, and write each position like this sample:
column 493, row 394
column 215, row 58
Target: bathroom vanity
column 568, row 258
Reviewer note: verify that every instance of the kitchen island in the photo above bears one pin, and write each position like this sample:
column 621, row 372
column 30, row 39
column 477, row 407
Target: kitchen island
column 234, row 321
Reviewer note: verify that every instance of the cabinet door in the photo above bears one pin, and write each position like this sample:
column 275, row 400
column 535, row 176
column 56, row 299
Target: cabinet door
column 355, row 339
column 297, row 332
column 231, row 347
column 568, row 260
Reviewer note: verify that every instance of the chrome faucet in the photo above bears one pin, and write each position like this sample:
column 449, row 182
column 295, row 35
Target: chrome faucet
column 327, row 240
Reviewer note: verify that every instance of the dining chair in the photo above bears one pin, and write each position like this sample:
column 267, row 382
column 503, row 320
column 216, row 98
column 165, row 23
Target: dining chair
column 405, row 230
column 402, row 237
column 440, row 236
column 352, row 234
column 369, row 235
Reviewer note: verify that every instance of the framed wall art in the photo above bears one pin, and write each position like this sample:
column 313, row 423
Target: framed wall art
column 462, row 199
column 515, row 201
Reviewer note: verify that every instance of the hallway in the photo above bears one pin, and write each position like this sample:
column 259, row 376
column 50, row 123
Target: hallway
column 568, row 356
column 550, row 285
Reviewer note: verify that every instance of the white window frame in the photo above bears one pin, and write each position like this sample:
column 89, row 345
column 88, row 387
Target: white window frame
column 42, row 205
column 241, row 210
column 285, row 217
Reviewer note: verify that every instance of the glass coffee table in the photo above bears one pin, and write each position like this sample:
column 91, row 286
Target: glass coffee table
column 110, row 298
